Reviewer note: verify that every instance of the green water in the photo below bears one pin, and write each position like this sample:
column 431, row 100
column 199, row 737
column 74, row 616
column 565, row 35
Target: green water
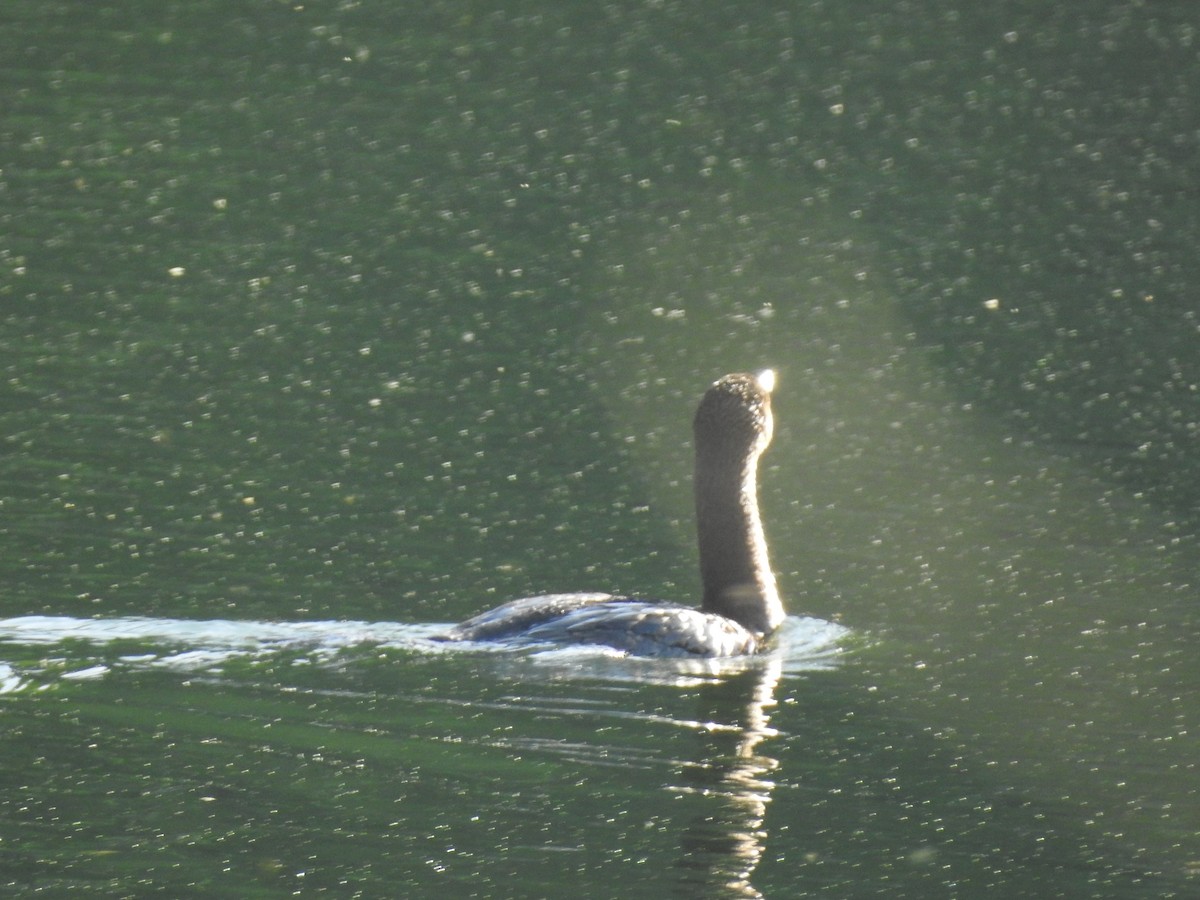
column 392, row 312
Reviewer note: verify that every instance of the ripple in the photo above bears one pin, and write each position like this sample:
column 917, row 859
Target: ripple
column 187, row 645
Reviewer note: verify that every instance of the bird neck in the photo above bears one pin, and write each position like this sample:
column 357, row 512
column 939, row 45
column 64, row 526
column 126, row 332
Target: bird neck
column 735, row 569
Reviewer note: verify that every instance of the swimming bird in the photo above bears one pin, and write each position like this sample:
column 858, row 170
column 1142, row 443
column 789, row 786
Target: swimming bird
column 740, row 607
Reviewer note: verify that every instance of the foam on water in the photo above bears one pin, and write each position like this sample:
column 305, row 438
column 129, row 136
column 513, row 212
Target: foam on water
column 188, row 645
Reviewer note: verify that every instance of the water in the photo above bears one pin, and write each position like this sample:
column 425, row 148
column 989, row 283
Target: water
column 344, row 313
column 193, row 645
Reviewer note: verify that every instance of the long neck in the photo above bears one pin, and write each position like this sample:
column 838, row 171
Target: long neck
column 738, row 582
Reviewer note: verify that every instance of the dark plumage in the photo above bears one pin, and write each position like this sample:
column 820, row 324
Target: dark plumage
column 741, row 605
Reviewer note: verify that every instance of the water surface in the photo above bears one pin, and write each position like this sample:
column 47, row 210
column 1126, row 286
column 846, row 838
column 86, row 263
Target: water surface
column 353, row 313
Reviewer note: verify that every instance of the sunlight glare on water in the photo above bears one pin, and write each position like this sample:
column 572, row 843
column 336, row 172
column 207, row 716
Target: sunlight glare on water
column 321, row 321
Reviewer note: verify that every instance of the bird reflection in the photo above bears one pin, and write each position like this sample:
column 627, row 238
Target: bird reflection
column 723, row 848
